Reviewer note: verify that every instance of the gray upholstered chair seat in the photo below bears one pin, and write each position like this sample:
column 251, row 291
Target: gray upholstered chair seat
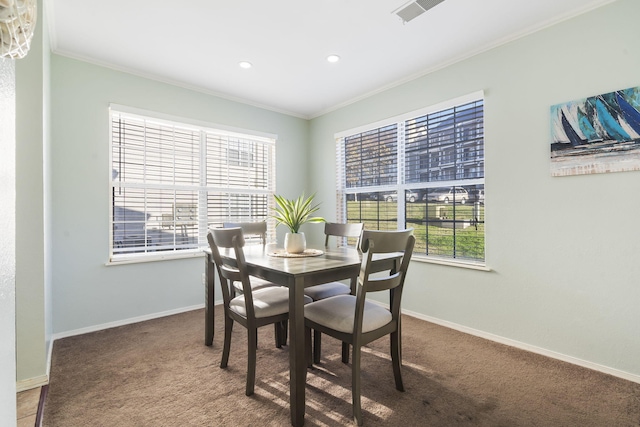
column 327, row 290
column 256, row 284
column 267, row 302
column 338, row 314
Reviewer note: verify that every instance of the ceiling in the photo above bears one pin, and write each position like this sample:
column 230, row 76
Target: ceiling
column 199, row 43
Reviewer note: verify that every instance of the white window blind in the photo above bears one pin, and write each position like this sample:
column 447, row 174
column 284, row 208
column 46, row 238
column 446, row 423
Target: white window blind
column 172, row 181
column 424, row 170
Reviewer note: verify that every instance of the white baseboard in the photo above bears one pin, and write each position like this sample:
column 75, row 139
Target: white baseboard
column 30, row 383
column 124, row 322
column 523, row 346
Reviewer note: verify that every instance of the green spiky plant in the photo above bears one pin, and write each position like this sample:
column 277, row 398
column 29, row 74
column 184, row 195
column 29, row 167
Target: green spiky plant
column 295, row 212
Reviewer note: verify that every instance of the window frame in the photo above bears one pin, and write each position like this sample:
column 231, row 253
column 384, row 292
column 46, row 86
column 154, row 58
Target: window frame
column 401, row 185
column 202, row 190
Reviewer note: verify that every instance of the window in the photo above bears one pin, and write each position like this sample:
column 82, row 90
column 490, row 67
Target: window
column 434, row 159
column 172, row 181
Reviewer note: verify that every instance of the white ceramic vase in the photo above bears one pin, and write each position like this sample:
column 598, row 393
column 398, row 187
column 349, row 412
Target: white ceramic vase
column 295, row 243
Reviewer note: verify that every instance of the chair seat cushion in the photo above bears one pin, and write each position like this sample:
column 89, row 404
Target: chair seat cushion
column 338, row 313
column 267, row 302
column 256, row 283
column 327, row 290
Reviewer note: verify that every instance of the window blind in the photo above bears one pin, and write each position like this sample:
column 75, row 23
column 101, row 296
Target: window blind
column 171, row 182
column 371, row 157
column 445, row 145
column 422, row 170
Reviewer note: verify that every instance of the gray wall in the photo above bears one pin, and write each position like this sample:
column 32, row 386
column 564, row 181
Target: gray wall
column 563, row 251
column 86, row 292
column 7, row 242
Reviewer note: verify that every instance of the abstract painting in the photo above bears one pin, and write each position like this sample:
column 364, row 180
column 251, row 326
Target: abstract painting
column 597, row 134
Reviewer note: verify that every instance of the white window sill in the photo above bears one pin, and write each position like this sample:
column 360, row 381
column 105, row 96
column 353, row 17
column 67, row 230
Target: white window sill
column 450, row 263
column 153, row 258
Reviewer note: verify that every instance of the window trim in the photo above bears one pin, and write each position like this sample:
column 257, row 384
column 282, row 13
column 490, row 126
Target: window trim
column 401, row 186
column 177, row 121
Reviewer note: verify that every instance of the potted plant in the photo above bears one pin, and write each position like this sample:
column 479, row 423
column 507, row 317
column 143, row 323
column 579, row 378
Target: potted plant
column 293, row 213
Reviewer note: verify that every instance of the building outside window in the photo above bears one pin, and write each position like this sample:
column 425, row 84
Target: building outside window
column 172, row 181
column 433, row 159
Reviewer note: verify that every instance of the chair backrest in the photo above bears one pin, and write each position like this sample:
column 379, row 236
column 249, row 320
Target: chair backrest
column 231, row 238
column 385, row 242
column 342, row 230
column 249, row 229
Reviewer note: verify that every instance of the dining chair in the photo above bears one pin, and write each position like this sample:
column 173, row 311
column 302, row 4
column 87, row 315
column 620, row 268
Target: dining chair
column 339, row 230
column 256, row 231
column 327, row 290
column 356, row 321
column 253, row 308
column 251, row 231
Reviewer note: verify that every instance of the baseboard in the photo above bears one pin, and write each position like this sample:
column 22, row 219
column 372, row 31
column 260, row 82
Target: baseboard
column 30, row 383
column 39, row 381
column 523, row 346
column 124, row 322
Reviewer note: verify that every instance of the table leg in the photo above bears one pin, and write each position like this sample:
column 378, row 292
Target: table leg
column 208, row 299
column 353, row 283
column 297, row 359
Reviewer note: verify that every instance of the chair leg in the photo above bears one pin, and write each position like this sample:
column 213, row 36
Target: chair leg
column 277, row 329
column 285, row 331
column 396, row 359
column 345, row 352
column 252, row 338
column 355, row 385
column 307, row 347
column 281, row 333
column 226, row 348
column 317, row 346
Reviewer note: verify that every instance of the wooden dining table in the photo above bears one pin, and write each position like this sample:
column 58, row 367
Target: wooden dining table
column 296, row 274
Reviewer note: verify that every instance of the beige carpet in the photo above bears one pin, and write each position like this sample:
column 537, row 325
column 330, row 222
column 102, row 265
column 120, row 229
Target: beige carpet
column 160, row 373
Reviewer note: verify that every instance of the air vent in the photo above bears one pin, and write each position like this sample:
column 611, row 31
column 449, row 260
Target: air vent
column 415, row 8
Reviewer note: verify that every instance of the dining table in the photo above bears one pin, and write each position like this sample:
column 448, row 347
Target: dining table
column 296, row 273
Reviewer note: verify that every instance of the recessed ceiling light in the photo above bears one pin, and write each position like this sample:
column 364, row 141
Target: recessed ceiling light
column 333, row 58
column 245, row 64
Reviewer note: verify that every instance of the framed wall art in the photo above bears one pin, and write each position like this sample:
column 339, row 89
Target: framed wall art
column 597, row 134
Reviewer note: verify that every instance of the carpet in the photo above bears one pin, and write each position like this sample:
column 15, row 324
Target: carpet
column 160, row 373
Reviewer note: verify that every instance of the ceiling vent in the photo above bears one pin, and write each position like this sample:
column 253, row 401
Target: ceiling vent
column 415, row 8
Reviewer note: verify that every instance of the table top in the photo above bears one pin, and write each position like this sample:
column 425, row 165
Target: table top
column 332, row 258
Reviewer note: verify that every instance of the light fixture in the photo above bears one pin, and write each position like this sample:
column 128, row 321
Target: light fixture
column 17, row 23
column 333, row 58
column 245, row 64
